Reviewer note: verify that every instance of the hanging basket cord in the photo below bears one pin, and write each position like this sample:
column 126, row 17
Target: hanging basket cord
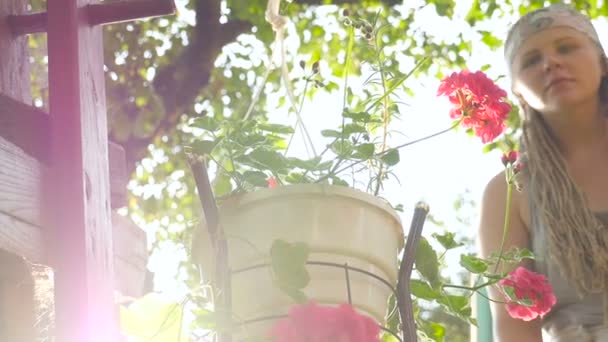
column 278, row 58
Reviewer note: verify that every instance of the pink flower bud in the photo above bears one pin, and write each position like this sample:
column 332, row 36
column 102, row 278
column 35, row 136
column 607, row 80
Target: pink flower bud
column 509, row 158
column 272, row 182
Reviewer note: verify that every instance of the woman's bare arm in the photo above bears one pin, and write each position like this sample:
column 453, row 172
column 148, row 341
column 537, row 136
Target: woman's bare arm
column 506, row 329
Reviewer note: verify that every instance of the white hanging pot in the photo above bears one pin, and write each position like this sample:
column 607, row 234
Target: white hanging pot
column 340, row 225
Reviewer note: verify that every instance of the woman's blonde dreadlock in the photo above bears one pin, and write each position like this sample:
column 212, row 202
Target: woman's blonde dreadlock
column 578, row 240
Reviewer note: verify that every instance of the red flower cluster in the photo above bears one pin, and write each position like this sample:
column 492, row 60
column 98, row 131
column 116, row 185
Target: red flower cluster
column 312, row 322
column 531, row 288
column 479, row 101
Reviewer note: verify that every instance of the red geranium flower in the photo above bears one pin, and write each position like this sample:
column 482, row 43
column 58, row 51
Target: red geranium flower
column 478, row 101
column 312, row 322
column 272, row 182
column 534, row 295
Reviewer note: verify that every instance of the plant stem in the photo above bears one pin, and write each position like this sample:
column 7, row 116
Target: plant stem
column 427, row 137
column 505, row 229
column 299, row 110
column 394, row 148
column 469, row 288
column 385, row 114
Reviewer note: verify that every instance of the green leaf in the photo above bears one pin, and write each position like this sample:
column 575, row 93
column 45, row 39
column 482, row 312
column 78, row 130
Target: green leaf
column 456, row 304
column 256, row 178
column 445, row 8
column 423, row 290
column 297, row 178
column 390, row 157
column 343, row 148
column 475, row 14
column 436, row 331
column 325, row 165
column 153, row 318
column 362, row 117
column 310, row 165
column 427, row 263
column 473, row 264
column 207, row 123
column 271, row 160
column 392, row 319
column 352, row 128
column 364, row 151
column 251, row 139
column 276, row 128
column 490, row 40
column 339, row 181
column 447, row 240
column 222, row 185
column 331, row 133
column 288, row 262
column 203, row 147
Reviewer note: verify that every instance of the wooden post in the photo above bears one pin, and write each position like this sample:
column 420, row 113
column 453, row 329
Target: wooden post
column 78, row 186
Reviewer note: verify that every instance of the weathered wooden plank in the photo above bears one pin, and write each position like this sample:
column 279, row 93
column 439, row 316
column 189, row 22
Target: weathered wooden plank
column 20, row 184
column 28, row 128
column 130, row 256
column 77, row 200
column 21, row 238
column 25, row 126
column 20, row 221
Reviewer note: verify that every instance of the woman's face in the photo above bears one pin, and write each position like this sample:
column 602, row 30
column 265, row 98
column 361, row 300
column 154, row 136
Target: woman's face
column 557, row 69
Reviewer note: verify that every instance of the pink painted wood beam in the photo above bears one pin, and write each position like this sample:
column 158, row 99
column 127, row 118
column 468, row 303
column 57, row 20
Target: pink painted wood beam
column 76, row 188
column 97, row 14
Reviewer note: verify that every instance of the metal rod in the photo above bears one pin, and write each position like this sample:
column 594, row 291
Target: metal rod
column 28, row 23
column 205, row 195
column 115, row 12
column 404, row 299
column 325, row 263
column 350, row 297
column 218, row 240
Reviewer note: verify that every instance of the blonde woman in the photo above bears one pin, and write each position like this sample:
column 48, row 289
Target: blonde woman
column 559, row 72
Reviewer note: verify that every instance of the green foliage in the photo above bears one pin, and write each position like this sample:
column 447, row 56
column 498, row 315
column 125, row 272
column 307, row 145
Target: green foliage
column 289, row 268
column 427, row 263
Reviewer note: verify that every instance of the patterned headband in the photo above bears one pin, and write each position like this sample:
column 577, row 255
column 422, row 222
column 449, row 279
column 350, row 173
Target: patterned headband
column 552, row 16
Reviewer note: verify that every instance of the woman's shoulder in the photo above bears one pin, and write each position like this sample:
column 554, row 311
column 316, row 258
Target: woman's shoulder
column 494, row 196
